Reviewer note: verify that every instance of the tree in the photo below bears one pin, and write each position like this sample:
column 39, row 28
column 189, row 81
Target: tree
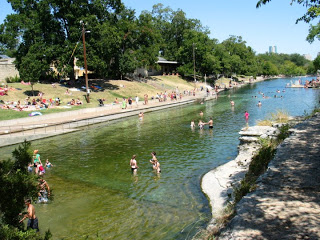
column 313, row 9
column 16, row 184
column 203, row 48
column 236, row 57
column 316, row 63
column 55, row 26
column 268, row 68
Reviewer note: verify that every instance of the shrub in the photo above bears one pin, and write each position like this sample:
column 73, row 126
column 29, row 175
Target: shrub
column 12, row 79
column 280, row 116
column 284, row 132
column 264, row 123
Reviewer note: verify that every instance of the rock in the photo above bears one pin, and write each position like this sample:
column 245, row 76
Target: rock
column 264, row 136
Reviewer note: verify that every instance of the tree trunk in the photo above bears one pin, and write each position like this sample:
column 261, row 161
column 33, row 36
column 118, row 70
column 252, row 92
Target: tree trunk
column 32, row 89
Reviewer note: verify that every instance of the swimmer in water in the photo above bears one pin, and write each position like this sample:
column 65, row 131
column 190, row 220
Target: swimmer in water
column 141, row 115
column 259, row 104
column 48, row 164
column 133, row 164
column 155, row 162
column 192, row 124
column 210, row 123
column 246, row 115
column 201, row 114
column 232, row 103
column 201, row 124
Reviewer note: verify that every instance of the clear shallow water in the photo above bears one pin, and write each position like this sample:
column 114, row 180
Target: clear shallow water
column 95, row 192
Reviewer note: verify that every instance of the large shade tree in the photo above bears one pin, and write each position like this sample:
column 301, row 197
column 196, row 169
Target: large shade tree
column 53, row 27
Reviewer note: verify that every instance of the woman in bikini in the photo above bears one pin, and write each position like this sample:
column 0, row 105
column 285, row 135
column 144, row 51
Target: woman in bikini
column 155, row 163
column 133, row 164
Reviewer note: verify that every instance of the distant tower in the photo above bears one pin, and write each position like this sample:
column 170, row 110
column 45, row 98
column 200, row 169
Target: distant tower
column 273, row 49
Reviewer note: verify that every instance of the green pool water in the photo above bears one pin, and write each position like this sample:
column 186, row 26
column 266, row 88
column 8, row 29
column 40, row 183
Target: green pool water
column 95, row 193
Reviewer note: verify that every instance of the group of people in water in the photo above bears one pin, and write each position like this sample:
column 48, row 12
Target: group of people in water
column 44, row 193
column 201, row 124
column 154, row 161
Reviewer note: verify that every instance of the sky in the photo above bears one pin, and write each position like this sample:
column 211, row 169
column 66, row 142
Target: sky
column 272, row 24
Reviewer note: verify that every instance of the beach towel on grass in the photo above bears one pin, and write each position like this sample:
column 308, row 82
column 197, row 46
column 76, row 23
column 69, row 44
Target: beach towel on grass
column 35, row 114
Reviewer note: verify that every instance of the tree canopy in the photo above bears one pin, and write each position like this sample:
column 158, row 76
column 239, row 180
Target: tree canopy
column 45, row 33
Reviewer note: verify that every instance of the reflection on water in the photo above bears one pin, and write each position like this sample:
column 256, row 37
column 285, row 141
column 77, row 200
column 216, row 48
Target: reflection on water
column 96, row 193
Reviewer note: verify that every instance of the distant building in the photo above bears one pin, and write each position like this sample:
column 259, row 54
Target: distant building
column 165, row 67
column 273, row 49
column 307, row 56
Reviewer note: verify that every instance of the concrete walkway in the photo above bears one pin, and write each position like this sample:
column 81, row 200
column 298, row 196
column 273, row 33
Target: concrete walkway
column 286, row 203
column 32, row 128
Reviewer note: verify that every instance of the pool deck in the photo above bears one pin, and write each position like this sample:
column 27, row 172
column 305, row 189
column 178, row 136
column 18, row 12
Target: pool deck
column 33, row 128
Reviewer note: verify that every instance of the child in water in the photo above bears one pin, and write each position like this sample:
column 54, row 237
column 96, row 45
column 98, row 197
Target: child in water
column 201, row 124
column 192, row 124
column 48, row 164
column 30, row 167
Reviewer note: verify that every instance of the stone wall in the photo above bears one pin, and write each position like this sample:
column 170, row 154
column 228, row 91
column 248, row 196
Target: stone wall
column 8, row 70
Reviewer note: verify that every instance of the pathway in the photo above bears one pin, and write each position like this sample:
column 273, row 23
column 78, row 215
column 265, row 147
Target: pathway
column 286, row 203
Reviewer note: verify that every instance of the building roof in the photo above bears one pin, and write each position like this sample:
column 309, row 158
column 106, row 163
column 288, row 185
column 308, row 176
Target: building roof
column 4, row 56
column 163, row 60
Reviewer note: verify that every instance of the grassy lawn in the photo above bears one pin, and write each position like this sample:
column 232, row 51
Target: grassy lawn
column 105, row 89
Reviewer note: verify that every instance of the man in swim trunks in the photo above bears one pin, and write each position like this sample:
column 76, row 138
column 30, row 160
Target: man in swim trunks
column 210, row 123
column 31, row 214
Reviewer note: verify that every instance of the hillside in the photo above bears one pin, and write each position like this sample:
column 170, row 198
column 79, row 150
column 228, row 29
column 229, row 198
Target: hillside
column 100, row 89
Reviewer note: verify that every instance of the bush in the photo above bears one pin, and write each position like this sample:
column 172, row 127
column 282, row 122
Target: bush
column 280, row 116
column 12, row 79
column 284, row 132
column 264, row 123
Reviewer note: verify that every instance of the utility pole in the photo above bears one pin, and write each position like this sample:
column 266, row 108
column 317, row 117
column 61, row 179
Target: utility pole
column 85, row 61
column 194, row 64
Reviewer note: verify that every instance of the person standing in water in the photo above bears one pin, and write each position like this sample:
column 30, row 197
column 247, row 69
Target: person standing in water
column 36, row 160
column 210, row 123
column 192, row 124
column 201, row 124
column 155, row 163
column 31, row 214
column 246, row 115
column 133, row 164
column 141, row 115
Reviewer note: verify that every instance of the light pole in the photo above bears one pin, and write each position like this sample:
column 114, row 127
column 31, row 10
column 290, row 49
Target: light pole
column 85, row 61
column 194, row 64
